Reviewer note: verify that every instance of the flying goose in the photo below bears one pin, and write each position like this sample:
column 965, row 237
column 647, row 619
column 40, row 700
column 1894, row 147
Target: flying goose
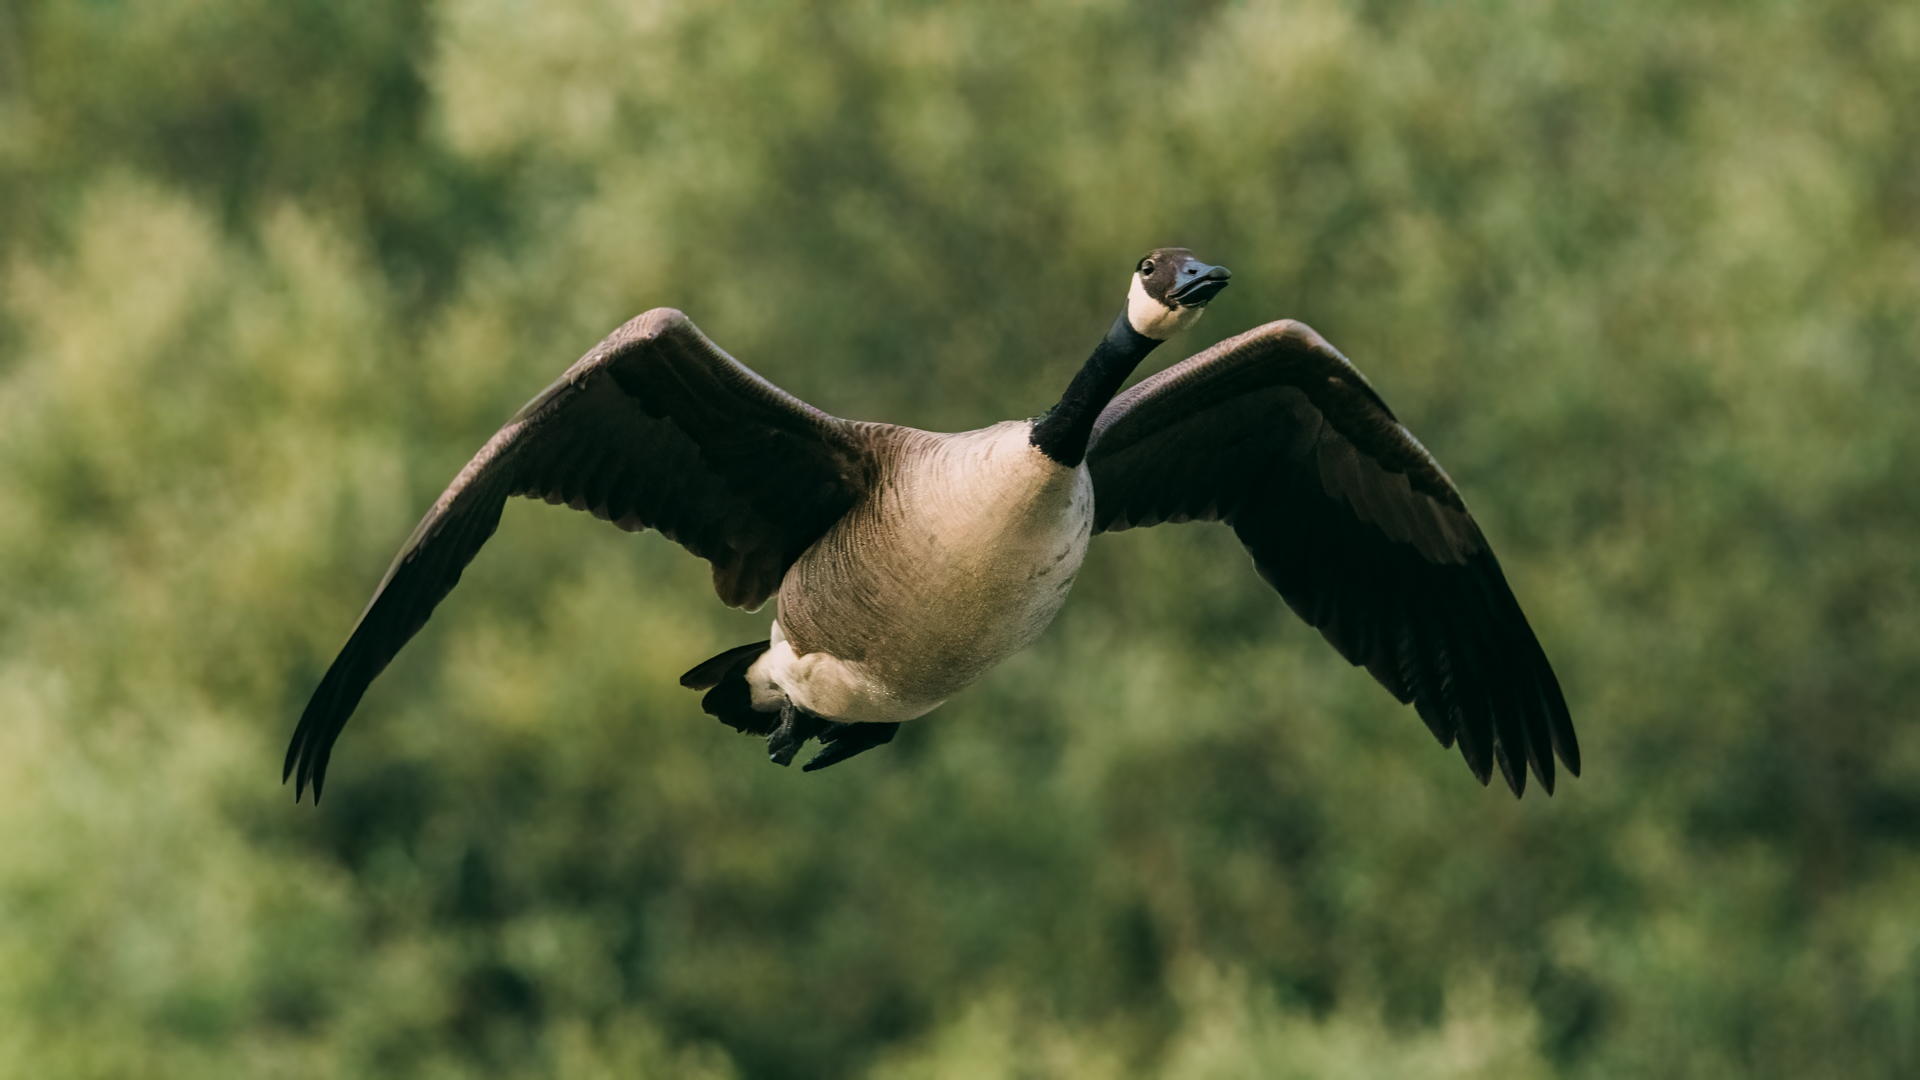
column 907, row 563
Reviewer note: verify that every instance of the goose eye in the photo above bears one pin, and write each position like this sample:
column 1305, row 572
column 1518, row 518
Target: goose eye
column 1146, row 267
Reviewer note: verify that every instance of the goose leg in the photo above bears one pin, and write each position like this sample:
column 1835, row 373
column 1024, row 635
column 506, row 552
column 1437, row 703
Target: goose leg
column 796, row 726
column 841, row 741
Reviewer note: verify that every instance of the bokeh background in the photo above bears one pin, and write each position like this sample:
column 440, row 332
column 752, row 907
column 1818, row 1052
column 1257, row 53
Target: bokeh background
column 1643, row 275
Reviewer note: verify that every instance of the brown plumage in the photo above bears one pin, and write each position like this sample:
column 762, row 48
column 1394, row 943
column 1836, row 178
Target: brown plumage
column 908, row 563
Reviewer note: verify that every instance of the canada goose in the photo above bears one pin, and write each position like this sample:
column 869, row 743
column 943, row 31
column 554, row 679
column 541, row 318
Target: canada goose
column 907, row 563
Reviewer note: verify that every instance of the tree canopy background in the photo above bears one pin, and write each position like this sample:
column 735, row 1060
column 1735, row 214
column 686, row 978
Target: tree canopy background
column 1642, row 275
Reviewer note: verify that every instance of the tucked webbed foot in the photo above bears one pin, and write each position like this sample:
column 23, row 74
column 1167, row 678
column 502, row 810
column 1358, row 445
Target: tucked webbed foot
column 730, row 699
column 796, row 726
column 839, row 742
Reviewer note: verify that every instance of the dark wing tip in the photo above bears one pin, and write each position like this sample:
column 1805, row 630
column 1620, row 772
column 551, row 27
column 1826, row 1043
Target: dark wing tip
column 296, row 759
column 1507, row 691
column 1561, row 721
column 326, row 714
column 303, row 765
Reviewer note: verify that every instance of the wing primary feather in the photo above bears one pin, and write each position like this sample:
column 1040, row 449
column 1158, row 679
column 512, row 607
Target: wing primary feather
column 1558, row 720
column 1421, row 674
column 1449, row 690
column 1491, row 691
column 1522, row 675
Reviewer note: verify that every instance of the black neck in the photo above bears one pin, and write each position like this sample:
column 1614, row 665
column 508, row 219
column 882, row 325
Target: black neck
column 1062, row 433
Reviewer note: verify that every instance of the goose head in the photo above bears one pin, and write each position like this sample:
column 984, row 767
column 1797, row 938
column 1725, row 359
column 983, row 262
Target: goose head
column 1170, row 290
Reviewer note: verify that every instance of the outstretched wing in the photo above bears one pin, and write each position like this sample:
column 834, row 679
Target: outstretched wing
column 655, row 428
column 1345, row 514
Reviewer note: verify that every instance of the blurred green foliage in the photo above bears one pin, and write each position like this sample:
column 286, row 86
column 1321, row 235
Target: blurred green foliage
column 1643, row 275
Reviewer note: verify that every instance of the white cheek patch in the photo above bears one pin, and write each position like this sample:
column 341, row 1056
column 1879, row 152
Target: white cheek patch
column 1155, row 319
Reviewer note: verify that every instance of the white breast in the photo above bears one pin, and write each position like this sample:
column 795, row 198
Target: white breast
column 960, row 558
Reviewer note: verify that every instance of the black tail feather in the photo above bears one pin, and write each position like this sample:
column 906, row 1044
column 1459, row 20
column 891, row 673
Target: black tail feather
column 724, row 678
column 710, row 673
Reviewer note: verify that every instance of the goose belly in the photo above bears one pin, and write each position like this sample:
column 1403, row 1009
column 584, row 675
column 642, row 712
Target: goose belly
column 948, row 569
